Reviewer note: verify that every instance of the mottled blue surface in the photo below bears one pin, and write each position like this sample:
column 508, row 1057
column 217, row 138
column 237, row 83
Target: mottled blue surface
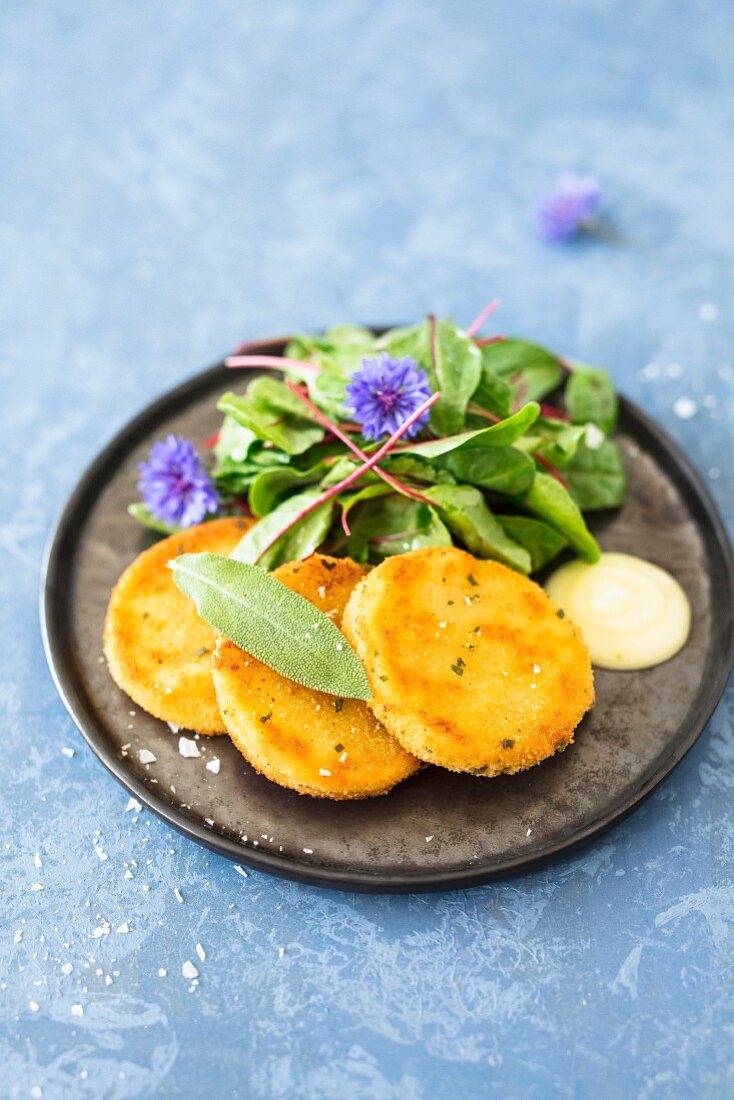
column 178, row 177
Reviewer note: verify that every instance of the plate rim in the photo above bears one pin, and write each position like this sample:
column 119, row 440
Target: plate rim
column 68, row 683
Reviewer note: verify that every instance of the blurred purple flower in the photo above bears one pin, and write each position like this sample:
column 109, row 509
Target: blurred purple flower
column 385, row 392
column 573, row 201
column 174, row 484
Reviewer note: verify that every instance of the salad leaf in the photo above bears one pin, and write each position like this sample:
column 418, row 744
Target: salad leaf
column 497, row 435
column 415, row 468
column 296, row 542
column 590, row 398
column 339, row 352
column 467, row 515
column 555, row 440
column 269, row 486
column 383, row 528
column 529, row 369
column 142, row 514
column 493, row 393
column 274, row 624
column 235, row 441
column 269, row 409
column 501, row 469
column 452, row 361
column 597, row 477
column 542, row 542
column 548, row 499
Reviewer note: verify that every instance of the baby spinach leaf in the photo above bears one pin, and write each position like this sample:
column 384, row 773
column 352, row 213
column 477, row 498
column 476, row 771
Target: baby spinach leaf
column 597, row 477
column 590, row 398
column 142, row 514
column 452, row 361
column 274, row 624
column 273, row 413
column 529, row 369
column 542, row 541
column 295, row 543
column 269, row 486
column 549, row 499
column 502, row 469
column 497, row 435
column 467, row 515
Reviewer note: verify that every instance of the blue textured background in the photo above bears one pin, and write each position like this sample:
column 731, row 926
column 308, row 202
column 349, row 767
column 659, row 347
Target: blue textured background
column 178, row 177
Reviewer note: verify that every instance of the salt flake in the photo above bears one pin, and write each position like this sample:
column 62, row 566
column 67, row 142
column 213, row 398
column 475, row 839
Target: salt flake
column 145, row 756
column 188, row 748
column 213, row 765
column 189, row 971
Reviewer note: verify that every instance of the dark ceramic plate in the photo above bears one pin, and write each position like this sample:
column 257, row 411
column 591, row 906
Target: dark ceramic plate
column 438, row 830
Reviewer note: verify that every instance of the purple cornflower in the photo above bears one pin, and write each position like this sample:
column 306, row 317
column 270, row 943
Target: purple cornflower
column 385, row 392
column 573, row 201
column 174, row 484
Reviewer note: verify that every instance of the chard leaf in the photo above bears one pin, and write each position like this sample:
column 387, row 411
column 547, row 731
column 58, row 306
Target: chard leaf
column 274, row 624
column 368, row 492
column 529, row 369
column 597, row 477
column 274, row 414
column 493, row 393
column 501, row 469
column 497, row 435
column 466, row 514
column 555, row 440
column 234, row 443
column 453, row 364
column 295, row 543
column 548, row 499
column 142, row 514
column 542, row 541
column 590, row 398
column 415, row 468
column 269, row 486
column 382, row 528
column 339, row 352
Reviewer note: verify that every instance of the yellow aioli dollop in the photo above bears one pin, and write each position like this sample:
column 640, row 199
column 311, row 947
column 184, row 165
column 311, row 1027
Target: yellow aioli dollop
column 632, row 614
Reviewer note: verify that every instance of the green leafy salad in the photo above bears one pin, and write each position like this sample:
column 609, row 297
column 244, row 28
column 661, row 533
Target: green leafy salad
column 367, row 446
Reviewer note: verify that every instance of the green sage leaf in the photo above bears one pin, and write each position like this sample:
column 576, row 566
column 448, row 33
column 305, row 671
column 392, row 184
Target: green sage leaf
column 274, row 624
